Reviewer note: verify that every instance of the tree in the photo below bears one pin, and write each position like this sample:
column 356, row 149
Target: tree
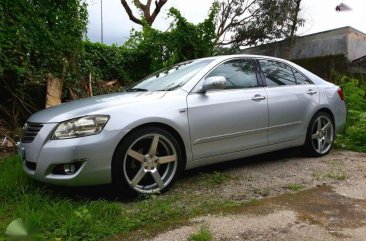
column 145, row 9
column 250, row 22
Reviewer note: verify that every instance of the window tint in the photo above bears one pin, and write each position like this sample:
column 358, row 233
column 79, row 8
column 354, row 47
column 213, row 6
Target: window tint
column 277, row 73
column 239, row 73
column 301, row 79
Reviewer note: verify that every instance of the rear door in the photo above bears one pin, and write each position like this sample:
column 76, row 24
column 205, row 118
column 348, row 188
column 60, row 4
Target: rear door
column 232, row 119
column 291, row 99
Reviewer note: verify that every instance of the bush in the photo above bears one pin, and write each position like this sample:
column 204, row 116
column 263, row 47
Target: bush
column 355, row 94
column 354, row 136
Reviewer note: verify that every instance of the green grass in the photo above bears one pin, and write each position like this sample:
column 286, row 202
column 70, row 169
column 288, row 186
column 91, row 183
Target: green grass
column 204, row 234
column 295, row 187
column 66, row 214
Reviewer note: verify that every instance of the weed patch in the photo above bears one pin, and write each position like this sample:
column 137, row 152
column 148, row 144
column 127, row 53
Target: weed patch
column 337, row 171
column 295, row 187
column 215, row 178
column 204, row 234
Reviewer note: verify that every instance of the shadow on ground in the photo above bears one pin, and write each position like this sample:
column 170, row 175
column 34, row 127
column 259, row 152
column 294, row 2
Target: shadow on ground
column 107, row 192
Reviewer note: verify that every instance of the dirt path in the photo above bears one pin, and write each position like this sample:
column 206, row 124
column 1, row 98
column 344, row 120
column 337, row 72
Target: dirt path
column 299, row 199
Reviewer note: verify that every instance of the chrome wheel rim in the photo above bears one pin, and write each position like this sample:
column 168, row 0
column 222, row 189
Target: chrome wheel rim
column 322, row 134
column 150, row 163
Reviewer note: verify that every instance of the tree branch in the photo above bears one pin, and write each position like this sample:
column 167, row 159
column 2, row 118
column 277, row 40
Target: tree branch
column 139, row 5
column 129, row 13
column 158, row 5
column 145, row 9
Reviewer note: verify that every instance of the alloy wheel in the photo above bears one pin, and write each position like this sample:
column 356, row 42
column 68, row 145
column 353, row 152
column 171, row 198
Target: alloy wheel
column 322, row 134
column 150, row 163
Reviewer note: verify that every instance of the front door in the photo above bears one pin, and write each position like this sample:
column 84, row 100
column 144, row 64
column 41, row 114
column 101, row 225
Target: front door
column 232, row 119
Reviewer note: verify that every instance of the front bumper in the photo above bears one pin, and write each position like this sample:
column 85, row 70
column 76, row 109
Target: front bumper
column 95, row 152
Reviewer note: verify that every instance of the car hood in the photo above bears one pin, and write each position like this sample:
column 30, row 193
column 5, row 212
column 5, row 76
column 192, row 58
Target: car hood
column 92, row 105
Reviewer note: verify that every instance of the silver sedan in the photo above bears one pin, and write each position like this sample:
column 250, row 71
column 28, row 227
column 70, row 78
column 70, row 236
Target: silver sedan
column 195, row 113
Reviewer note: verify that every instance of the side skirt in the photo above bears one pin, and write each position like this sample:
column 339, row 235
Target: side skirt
column 245, row 153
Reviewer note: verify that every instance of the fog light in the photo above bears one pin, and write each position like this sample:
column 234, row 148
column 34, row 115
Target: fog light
column 69, row 168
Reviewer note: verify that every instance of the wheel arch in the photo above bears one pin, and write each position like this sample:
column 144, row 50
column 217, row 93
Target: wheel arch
column 328, row 111
column 164, row 126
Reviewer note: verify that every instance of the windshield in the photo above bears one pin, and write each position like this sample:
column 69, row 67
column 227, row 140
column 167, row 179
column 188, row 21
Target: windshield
column 171, row 78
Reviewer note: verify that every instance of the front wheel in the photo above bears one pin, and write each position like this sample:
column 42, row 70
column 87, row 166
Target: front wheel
column 320, row 135
column 148, row 161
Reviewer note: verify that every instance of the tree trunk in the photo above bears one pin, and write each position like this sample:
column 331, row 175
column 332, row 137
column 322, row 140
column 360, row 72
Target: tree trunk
column 293, row 28
column 54, row 91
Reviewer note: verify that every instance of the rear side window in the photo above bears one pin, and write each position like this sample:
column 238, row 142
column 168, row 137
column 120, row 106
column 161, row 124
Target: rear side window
column 301, row 79
column 277, row 73
column 239, row 73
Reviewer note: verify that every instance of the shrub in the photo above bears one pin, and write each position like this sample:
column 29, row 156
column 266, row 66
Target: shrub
column 354, row 136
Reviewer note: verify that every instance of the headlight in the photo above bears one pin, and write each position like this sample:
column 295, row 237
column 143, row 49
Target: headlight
column 83, row 126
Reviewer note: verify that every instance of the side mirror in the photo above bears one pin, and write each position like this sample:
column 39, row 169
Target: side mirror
column 213, row 83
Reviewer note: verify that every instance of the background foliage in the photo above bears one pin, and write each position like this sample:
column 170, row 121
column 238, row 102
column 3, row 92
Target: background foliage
column 44, row 39
column 145, row 52
column 39, row 38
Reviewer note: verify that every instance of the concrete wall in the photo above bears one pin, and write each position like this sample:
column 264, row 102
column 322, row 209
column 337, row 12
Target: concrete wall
column 321, row 44
column 356, row 45
column 345, row 41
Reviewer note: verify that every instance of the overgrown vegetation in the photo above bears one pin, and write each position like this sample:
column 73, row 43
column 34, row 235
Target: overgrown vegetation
column 39, row 39
column 49, row 45
column 354, row 136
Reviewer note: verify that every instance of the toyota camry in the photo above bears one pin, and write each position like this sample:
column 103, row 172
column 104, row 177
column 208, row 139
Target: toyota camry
column 194, row 113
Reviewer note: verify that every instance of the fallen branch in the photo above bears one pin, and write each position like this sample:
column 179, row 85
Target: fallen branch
column 7, row 136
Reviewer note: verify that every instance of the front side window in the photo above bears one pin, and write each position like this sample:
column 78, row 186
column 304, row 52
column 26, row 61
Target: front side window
column 277, row 73
column 239, row 73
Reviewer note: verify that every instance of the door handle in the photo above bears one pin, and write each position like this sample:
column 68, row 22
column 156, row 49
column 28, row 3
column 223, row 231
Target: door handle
column 258, row 98
column 311, row 92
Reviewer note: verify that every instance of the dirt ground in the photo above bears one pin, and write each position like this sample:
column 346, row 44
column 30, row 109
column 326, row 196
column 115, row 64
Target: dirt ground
column 299, row 199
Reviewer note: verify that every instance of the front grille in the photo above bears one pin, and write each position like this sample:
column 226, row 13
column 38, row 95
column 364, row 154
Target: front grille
column 30, row 131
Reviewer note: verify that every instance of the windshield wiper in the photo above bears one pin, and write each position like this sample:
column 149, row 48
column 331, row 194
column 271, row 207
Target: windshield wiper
column 136, row 90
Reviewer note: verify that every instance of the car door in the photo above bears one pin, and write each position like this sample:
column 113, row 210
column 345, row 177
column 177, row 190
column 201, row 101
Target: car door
column 231, row 119
column 291, row 99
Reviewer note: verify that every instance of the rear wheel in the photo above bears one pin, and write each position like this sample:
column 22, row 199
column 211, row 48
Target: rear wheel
column 148, row 161
column 320, row 135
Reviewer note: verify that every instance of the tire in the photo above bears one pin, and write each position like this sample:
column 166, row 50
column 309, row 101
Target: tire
column 319, row 140
column 148, row 161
